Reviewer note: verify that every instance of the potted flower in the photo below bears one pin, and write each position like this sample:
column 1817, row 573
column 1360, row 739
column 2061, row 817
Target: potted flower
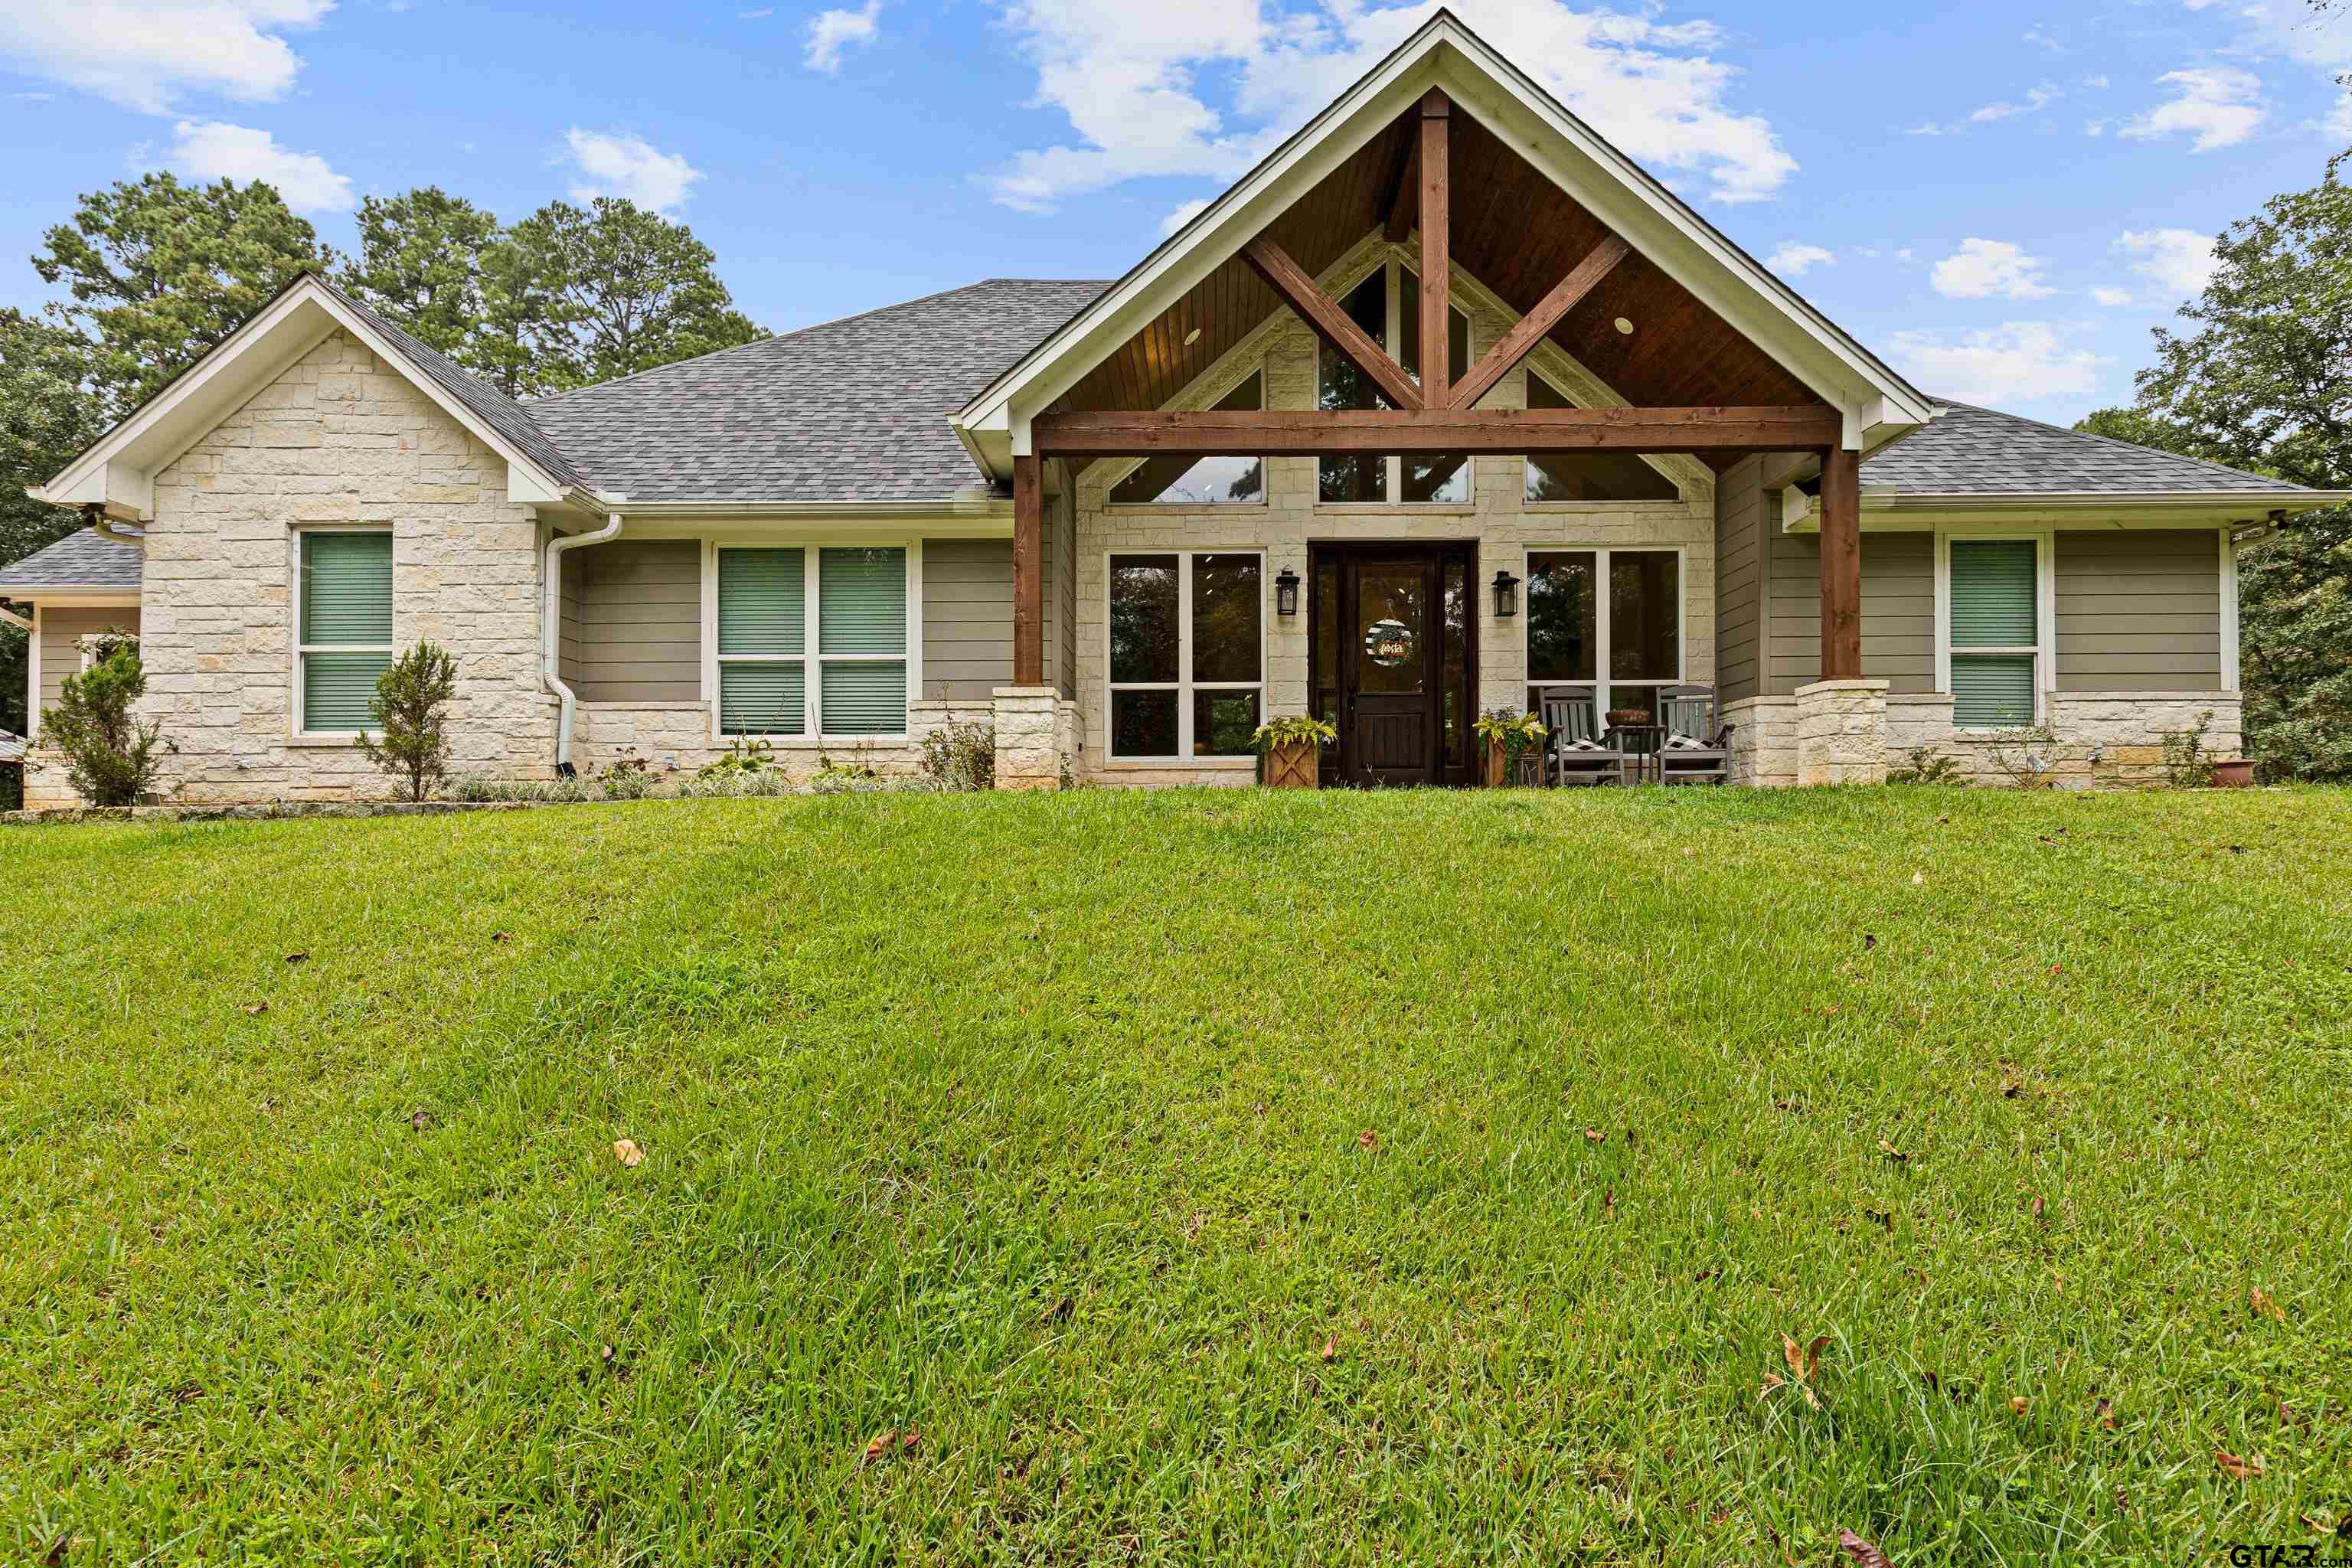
column 1512, row 744
column 1289, row 749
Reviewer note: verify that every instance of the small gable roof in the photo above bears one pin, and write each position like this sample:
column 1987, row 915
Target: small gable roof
column 1969, row 451
column 84, row 559
column 854, row 411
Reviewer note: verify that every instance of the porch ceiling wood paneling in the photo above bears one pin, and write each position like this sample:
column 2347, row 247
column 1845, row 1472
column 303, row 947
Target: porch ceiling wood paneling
column 1513, row 230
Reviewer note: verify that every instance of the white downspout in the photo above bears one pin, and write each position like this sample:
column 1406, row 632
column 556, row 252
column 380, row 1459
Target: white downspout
column 550, row 641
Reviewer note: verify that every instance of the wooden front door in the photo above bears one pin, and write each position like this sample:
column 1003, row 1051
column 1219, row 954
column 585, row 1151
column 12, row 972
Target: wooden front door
column 1391, row 665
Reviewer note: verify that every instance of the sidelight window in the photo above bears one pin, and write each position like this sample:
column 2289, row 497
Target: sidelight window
column 1604, row 621
column 1187, row 654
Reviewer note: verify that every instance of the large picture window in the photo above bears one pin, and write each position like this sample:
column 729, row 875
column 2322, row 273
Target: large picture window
column 1588, row 476
column 1605, row 621
column 1187, row 654
column 812, row 640
column 345, row 620
column 1201, row 481
column 1993, row 641
column 1386, row 305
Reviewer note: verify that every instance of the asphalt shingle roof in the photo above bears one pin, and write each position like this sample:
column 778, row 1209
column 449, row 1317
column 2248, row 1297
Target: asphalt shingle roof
column 502, row 413
column 87, row 559
column 852, row 410
column 12, row 748
column 1967, row 451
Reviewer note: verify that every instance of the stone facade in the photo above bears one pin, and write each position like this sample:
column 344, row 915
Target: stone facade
column 1842, row 733
column 339, row 440
column 1763, row 740
column 1497, row 516
column 1037, row 737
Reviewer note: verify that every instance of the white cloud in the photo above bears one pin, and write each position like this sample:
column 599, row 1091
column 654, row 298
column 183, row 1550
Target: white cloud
column 2096, row 81
column 2036, row 100
column 629, row 167
column 2178, row 262
column 1135, row 84
column 2017, row 362
column 834, row 31
column 1181, row 216
column 209, row 150
column 2209, row 103
column 142, row 54
column 761, row 15
column 2112, row 297
column 1795, row 260
column 1984, row 268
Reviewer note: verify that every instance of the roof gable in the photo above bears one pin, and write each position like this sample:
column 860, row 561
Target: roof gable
column 118, row 472
column 1516, row 114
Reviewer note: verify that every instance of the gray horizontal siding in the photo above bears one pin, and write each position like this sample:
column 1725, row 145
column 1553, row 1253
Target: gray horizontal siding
column 1738, row 518
column 640, row 633
column 60, row 626
column 967, row 617
column 2139, row 611
column 1898, row 611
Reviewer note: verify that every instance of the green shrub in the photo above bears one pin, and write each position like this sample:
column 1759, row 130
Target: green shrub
column 479, row 789
column 1929, row 766
column 2187, row 764
column 961, row 757
column 628, row 777
column 112, row 757
column 409, row 709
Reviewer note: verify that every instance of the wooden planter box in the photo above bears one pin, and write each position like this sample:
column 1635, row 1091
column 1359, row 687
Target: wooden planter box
column 1494, row 773
column 1292, row 766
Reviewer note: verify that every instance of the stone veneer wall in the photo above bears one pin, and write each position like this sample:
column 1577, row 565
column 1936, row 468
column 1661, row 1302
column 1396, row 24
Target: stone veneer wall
column 675, row 737
column 339, row 438
column 1497, row 516
column 2124, row 728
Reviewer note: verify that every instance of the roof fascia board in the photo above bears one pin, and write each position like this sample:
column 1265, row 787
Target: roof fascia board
column 117, row 470
column 2087, row 509
column 93, row 595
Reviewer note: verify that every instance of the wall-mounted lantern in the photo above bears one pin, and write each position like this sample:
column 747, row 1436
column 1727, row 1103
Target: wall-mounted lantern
column 1285, row 593
column 1507, row 595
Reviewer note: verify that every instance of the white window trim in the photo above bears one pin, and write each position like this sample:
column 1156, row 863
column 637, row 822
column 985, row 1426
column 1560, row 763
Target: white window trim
column 296, row 727
column 1394, row 269
column 2230, row 673
column 811, row 735
column 1184, row 686
column 1601, row 680
column 1119, row 473
column 2044, row 649
column 33, row 679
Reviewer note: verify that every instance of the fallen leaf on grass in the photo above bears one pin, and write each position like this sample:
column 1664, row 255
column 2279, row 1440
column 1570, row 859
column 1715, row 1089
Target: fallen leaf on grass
column 1886, row 1220
column 2263, row 1307
column 422, row 1120
column 1918, row 879
column 1594, row 1135
column 1868, row 941
column 2236, row 1468
column 500, row 936
column 298, row 958
column 1861, row 1551
column 879, row 1447
column 2106, row 1413
column 1804, row 1362
column 907, row 1443
column 625, row 1150
column 255, row 1009
column 1057, row 1311
column 2020, row 1405
column 2037, row 1205
column 1368, row 1139
column 56, row 1554
column 1892, row 1153
column 1608, row 1202
column 1330, row 1347
column 2013, row 1092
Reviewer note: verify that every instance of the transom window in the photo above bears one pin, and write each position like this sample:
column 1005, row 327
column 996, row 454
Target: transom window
column 1605, row 621
column 812, row 640
column 1386, row 306
column 345, row 621
column 1201, row 481
column 1588, row 476
column 1994, row 639
column 1187, row 654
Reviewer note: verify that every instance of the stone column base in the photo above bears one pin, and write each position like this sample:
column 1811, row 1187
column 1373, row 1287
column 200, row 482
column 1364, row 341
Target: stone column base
column 1842, row 733
column 1030, row 735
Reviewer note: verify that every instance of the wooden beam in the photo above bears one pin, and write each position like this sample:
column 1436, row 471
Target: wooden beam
column 1028, row 574
column 1436, row 257
column 1514, row 345
column 1286, row 433
column 1840, row 564
column 1398, row 206
column 1298, row 289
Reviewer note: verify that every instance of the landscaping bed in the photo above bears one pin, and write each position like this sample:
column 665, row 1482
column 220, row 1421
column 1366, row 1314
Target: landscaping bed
column 1246, row 1175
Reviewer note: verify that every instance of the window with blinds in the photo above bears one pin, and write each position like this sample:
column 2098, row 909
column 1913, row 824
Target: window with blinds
column 1996, row 633
column 345, row 627
column 813, row 641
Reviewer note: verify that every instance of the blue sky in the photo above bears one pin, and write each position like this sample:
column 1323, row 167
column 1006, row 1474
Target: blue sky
column 2001, row 198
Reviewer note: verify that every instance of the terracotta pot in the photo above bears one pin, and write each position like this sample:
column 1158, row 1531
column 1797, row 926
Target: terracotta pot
column 1292, row 766
column 2233, row 776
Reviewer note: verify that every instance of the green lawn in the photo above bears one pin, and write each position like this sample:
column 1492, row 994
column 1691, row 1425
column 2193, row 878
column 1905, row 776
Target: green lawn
column 1301, row 1178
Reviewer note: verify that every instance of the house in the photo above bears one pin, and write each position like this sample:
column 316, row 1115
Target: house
column 1123, row 523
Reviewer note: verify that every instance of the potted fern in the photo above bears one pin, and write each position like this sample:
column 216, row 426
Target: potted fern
column 1289, row 751
column 1511, row 744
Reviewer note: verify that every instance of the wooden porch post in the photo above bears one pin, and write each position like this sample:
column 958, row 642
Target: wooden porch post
column 1028, row 577
column 1840, row 564
column 1436, row 267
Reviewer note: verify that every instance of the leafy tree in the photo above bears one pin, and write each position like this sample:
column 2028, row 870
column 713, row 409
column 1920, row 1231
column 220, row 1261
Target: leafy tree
column 48, row 416
column 2262, row 381
column 638, row 289
column 420, row 263
column 160, row 272
column 110, row 757
column 410, row 710
column 522, row 344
